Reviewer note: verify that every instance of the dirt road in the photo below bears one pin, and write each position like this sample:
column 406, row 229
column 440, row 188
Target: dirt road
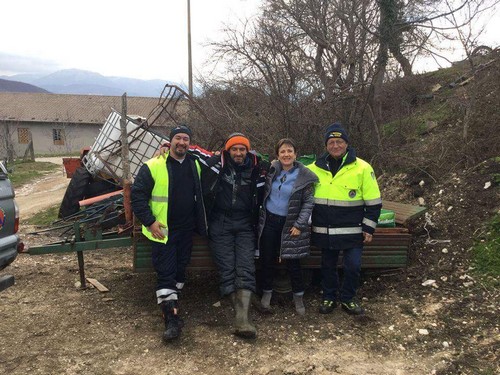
column 42, row 193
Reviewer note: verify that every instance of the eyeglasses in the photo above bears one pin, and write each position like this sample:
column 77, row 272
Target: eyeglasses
column 282, row 180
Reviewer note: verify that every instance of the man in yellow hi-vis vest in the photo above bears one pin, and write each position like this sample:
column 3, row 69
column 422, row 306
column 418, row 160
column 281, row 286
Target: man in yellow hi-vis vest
column 347, row 205
column 167, row 200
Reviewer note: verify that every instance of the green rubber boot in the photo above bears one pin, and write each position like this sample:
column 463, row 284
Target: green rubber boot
column 243, row 326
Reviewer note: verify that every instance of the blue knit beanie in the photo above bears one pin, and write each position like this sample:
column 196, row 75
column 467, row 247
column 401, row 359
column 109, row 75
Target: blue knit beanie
column 336, row 130
column 181, row 129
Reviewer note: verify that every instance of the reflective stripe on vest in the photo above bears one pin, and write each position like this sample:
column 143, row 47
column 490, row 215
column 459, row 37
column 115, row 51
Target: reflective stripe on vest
column 159, row 199
column 369, row 223
column 333, row 202
column 336, row 231
column 373, row 202
column 353, row 185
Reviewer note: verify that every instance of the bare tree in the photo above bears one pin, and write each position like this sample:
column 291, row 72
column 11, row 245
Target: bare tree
column 466, row 29
column 7, row 144
column 304, row 63
column 303, row 52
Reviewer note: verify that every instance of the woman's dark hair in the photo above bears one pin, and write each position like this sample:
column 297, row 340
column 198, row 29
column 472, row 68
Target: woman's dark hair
column 285, row 141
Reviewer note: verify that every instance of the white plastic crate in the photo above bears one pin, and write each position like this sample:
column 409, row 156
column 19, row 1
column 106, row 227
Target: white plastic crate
column 105, row 154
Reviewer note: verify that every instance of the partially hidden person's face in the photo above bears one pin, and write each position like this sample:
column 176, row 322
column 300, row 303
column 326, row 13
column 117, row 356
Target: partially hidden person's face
column 179, row 145
column 286, row 155
column 336, row 147
column 238, row 153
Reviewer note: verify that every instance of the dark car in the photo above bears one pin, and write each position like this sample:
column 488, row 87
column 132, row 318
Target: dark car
column 9, row 224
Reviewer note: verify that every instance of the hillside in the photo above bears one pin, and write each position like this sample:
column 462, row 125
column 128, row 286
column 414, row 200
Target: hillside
column 442, row 150
column 15, row 86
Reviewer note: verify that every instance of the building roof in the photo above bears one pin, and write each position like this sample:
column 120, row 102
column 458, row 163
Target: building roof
column 54, row 108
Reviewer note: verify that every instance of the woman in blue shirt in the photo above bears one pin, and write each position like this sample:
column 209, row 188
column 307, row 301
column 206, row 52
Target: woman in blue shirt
column 284, row 229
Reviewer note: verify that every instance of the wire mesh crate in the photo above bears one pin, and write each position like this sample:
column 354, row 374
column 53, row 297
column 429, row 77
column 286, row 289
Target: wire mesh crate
column 105, row 154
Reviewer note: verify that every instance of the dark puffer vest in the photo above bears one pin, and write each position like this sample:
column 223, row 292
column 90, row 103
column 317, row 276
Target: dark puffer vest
column 300, row 207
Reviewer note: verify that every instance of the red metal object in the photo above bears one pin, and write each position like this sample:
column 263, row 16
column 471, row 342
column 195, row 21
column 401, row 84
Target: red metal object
column 71, row 165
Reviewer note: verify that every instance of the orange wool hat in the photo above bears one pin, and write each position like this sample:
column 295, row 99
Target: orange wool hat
column 237, row 139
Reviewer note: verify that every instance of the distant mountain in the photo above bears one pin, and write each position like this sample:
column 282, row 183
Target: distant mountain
column 75, row 81
column 91, row 89
column 15, row 86
column 26, row 78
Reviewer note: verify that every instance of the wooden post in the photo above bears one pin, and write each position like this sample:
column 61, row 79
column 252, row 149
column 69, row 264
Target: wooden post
column 29, row 154
column 126, row 177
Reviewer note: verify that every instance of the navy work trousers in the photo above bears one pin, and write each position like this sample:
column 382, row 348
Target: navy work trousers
column 170, row 261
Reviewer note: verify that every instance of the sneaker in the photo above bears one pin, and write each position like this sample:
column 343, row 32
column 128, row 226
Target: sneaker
column 352, row 308
column 327, row 306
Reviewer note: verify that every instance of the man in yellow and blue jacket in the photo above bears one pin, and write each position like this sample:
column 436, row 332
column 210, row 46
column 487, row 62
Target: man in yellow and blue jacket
column 347, row 206
column 167, row 200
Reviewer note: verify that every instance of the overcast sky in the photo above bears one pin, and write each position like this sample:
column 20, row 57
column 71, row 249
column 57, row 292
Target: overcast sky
column 144, row 39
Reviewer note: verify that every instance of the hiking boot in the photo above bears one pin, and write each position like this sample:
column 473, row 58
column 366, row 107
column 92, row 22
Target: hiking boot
column 173, row 329
column 327, row 306
column 173, row 323
column 352, row 308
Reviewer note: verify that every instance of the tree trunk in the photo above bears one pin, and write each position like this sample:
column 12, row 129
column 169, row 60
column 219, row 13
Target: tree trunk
column 9, row 147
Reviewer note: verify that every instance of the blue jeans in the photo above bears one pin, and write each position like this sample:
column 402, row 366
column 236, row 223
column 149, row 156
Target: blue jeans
column 329, row 274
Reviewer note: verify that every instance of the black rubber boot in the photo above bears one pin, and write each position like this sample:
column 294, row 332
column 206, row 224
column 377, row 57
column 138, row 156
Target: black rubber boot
column 243, row 326
column 173, row 323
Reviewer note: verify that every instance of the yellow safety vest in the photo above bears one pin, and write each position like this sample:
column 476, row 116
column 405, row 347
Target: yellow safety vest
column 354, row 186
column 159, row 196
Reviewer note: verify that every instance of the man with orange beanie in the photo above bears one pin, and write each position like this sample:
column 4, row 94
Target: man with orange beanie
column 233, row 189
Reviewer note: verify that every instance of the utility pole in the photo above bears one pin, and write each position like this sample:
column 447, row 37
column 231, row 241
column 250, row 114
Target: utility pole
column 190, row 62
column 126, row 177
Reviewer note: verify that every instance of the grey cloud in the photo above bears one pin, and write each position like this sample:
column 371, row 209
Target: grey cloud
column 15, row 64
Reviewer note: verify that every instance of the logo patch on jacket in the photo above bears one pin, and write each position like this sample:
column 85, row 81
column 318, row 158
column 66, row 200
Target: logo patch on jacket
column 352, row 193
column 373, row 175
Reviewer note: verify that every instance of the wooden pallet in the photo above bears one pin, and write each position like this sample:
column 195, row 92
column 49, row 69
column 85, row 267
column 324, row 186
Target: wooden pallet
column 404, row 212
